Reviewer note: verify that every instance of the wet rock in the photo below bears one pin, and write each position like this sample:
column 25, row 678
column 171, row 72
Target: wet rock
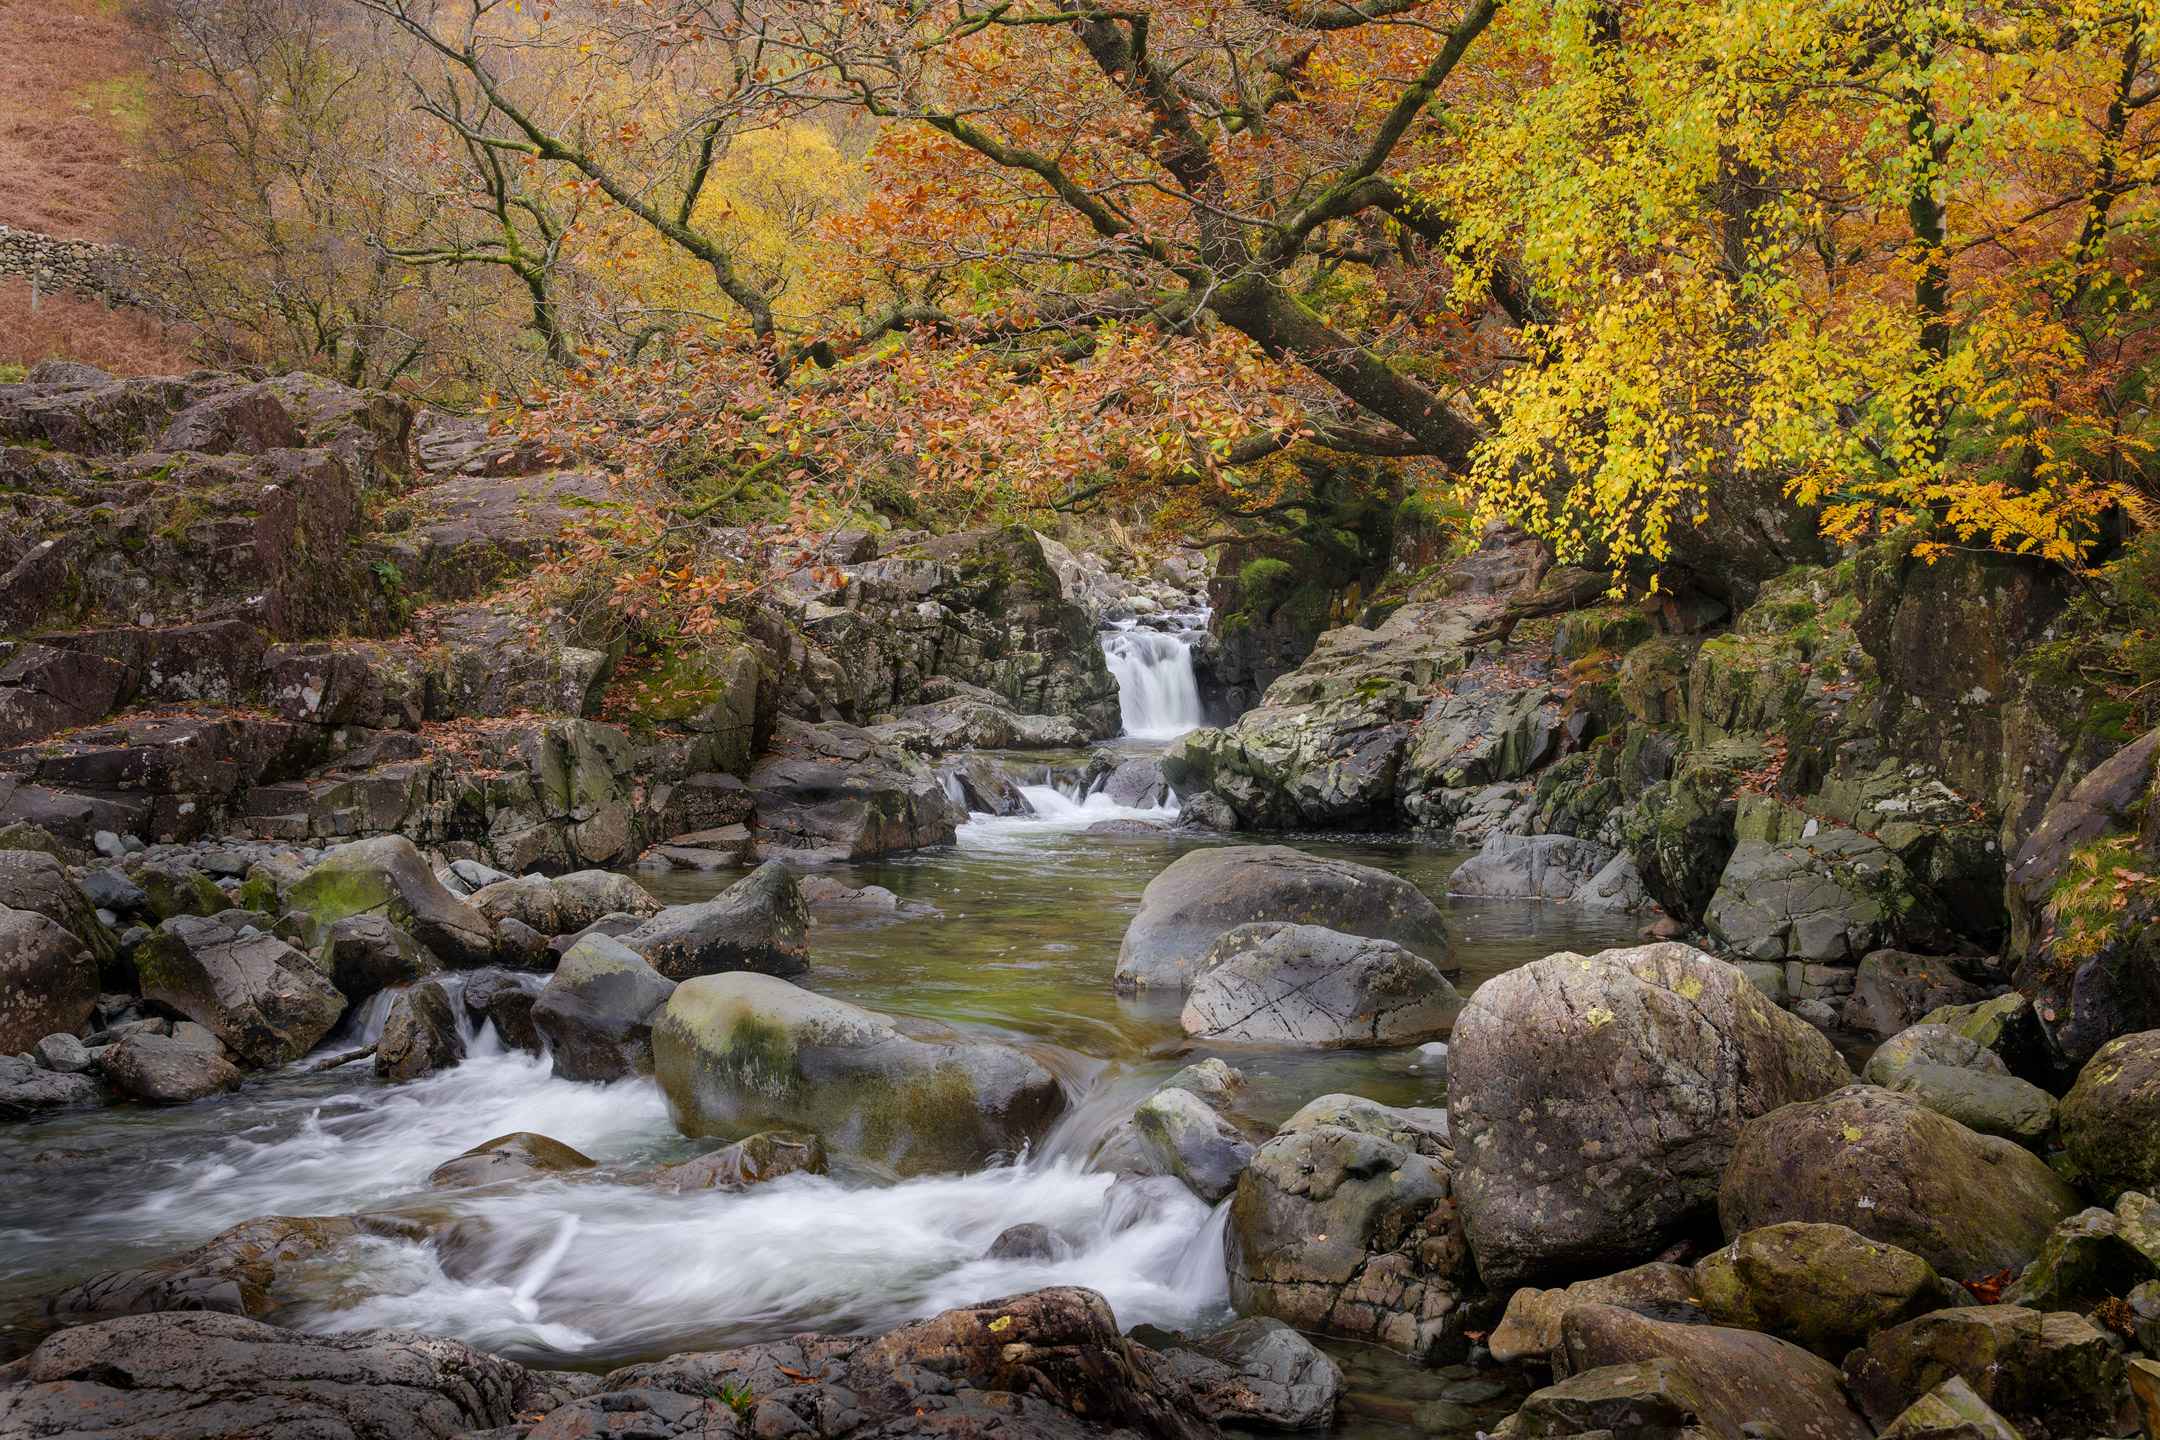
column 2111, row 1117
column 62, row 1052
column 1990, row 1104
column 1258, row 1371
column 1824, row 1287
column 236, row 1273
column 1751, row 1377
column 420, row 1035
column 747, row 1051
column 27, row 1089
column 563, row 903
column 31, row 880
column 1895, row 989
column 1023, row 1242
column 365, row 953
column 156, row 1377
column 264, row 999
column 1307, row 986
column 2091, row 1256
column 759, row 923
column 1184, row 1136
column 1885, row 1165
column 112, row 890
column 1530, row 1328
column 822, row 892
column 48, row 980
column 1951, row 1411
column 833, row 792
column 2056, row 1371
column 521, row 1155
column 1342, row 1225
column 1616, row 887
column 1138, row 784
column 165, row 1069
column 1530, row 867
column 1651, row 1398
column 496, row 997
column 743, row 1164
column 1595, row 1101
column 388, row 877
column 597, row 1010
column 1204, row 893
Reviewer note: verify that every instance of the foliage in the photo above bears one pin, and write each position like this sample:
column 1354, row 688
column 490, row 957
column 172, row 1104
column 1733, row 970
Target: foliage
column 2107, row 892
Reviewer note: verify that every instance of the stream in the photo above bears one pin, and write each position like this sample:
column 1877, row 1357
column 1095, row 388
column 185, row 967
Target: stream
column 1013, row 931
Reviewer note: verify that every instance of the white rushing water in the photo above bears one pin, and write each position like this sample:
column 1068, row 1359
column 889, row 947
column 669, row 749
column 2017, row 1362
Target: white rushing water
column 1157, row 691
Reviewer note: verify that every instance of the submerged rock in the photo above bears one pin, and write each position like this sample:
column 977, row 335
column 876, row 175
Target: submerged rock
column 747, row 1051
column 520, row 1155
column 758, row 923
column 1308, row 986
column 597, row 1010
column 743, row 1164
column 237, row 1272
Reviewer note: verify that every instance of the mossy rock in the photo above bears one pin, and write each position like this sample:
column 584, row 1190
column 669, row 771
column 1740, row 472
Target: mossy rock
column 2111, row 1117
column 1826, row 1288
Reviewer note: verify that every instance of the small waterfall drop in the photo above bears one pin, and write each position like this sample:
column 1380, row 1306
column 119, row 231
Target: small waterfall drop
column 1156, row 689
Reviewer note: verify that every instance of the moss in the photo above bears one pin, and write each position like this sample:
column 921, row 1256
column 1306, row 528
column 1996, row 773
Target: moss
column 930, row 1119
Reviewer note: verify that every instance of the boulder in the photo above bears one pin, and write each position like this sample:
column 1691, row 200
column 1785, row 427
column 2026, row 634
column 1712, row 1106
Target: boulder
column 63, row 1052
column 1991, row 1104
column 1951, row 1411
column 1023, row 1242
column 2056, row 1371
column 32, row 880
column 1648, row 1399
column 2111, row 1117
column 2007, row 1026
column 1138, row 784
column 1830, row 898
column 496, row 998
column 1530, row 1327
column 1885, row 1165
column 387, row 876
column 1749, row 1377
column 2093, row 1255
column 165, row 1070
column 1530, row 867
column 520, row 1155
column 597, row 1010
column 365, row 953
column 172, row 887
column 1184, row 1136
column 1306, row 986
column 236, row 1272
column 1343, row 1225
column 829, row 792
column 202, row 1374
column 1595, row 1101
column 262, row 998
column 1204, row 893
column 1824, row 1287
column 1895, row 989
column 1929, row 1044
column 27, row 1089
column 420, row 1035
column 561, row 904
column 48, row 980
column 822, row 892
column 744, row 1051
column 1616, row 888
column 1256, row 1371
column 758, row 923
column 743, row 1164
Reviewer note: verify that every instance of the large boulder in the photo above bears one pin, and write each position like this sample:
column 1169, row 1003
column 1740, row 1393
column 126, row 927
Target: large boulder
column 1829, row 898
column 562, row 904
column 597, row 1010
column 1596, row 1100
column 1824, row 1287
column 1887, row 1166
column 363, row 954
column 2111, row 1117
column 33, row 880
column 388, row 876
column 204, row 1374
column 1307, row 986
column 165, row 1070
column 262, row 998
column 420, row 1034
column 1991, row 1104
column 829, row 792
column 758, row 923
column 1206, row 892
column 741, row 1052
column 48, row 980
column 1343, row 1224
column 2055, row 1374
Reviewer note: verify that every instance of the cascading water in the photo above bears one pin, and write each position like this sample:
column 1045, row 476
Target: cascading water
column 1157, row 692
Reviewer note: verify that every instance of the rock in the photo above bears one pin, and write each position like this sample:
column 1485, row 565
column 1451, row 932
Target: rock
column 34, row 881
column 2111, row 1117
column 165, row 1070
column 1530, row 1328
column 822, row 892
column 1343, row 1225
column 1530, row 867
column 521, row 1155
column 745, row 1163
column 387, row 876
column 1990, row 1104
column 1617, row 887
column 1823, row 1287
column 1258, row 1371
column 48, row 980
column 564, row 903
column 1596, row 1100
column 1929, row 1044
column 1207, row 812
column 759, row 923
column 1307, row 986
column 2091, row 1256
column 174, row 887
column 1751, row 1377
column 1652, row 1398
column 496, row 997
column 420, row 1035
column 365, row 953
column 1885, row 1165
column 743, row 1051
column 832, row 792
column 1830, row 898
column 1894, row 989
column 518, row 944
column 64, row 1053
column 112, row 890
column 1951, row 1411
column 27, row 1089
column 1204, row 893
column 264, row 999
column 158, row 1377
column 2006, row 1026
column 237, row 1272
column 597, row 1010
column 1185, row 1137
column 1023, row 1242
column 2055, row 1371
column 1138, row 784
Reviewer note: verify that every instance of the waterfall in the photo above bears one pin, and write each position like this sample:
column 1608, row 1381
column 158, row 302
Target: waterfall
column 1156, row 689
